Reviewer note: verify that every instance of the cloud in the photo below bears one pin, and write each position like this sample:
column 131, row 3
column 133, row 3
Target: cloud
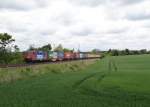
column 22, row 4
column 139, row 16
column 83, row 32
column 94, row 3
column 129, row 2
column 91, row 24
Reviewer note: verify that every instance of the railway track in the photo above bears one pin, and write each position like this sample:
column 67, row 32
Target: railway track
column 40, row 63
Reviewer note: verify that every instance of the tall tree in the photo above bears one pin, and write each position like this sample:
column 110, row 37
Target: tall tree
column 47, row 47
column 95, row 51
column 5, row 54
column 59, row 48
column 127, row 51
column 68, row 50
column 31, row 48
column 5, row 39
column 16, row 48
column 115, row 52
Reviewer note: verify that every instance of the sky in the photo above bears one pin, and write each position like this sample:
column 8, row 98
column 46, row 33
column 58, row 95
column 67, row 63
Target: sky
column 84, row 24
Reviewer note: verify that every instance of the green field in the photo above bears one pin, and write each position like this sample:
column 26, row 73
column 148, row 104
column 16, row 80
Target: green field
column 111, row 82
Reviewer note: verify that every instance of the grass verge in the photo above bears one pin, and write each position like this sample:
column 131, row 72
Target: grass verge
column 13, row 74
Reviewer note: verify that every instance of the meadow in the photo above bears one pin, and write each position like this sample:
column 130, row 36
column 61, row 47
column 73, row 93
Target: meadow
column 121, row 81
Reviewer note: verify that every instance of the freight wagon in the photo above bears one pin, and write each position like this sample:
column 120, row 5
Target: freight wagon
column 83, row 55
column 89, row 55
column 33, row 56
column 68, row 56
column 60, row 56
column 77, row 55
column 52, row 56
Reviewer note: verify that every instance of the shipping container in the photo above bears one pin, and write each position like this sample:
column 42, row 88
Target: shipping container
column 93, row 55
column 30, row 56
column 46, row 56
column 52, row 55
column 76, row 55
column 40, row 55
column 60, row 56
column 81, row 55
column 68, row 55
column 35, row 56
column 84, row 55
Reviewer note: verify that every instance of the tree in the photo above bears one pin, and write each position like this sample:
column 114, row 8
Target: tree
column 59, row 48
column 47, row 47
column 16, row 48
column 5, row 39
column 115, row 52
column 148, row 52
column 67, row 50
column 5, row 54
column 31, row 48
column 95, row 51
column 109, row 52
column 127, row 51
column 143, row 51
column 136, row 52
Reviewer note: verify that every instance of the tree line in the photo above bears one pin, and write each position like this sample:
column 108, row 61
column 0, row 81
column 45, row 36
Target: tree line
column 115, row 52
column 48, row 47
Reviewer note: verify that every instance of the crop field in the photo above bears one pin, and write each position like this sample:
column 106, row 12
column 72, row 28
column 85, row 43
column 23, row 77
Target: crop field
column 122, row 81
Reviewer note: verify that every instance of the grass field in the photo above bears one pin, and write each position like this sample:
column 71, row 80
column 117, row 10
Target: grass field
column 110, row 82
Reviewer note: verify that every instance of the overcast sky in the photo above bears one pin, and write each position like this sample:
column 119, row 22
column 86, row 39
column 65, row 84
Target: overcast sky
column 101, row 24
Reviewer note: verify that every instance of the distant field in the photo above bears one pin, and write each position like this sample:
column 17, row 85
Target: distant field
column 110, row 82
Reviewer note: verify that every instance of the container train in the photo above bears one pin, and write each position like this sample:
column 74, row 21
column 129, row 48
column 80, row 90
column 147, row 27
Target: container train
column 34, row 56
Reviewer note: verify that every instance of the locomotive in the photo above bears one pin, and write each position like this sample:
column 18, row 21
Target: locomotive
column 34, row 56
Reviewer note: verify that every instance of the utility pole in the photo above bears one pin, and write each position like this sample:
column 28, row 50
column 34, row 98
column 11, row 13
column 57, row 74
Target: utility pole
column 79, row 47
